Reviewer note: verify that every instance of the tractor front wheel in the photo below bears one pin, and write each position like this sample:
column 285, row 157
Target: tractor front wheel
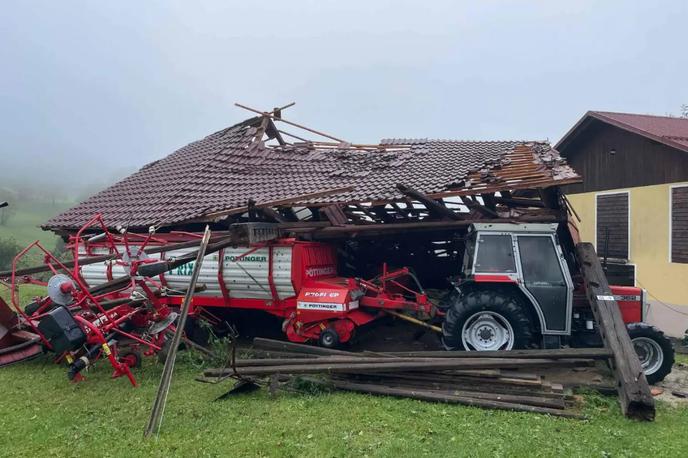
column 486, row 320
column 655, row 352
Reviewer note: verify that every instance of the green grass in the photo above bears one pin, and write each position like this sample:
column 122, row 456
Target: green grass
column 24, row 225
column 41, row 414
column 681, row 358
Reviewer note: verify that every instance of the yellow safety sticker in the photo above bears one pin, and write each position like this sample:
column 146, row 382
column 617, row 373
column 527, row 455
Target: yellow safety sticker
column 106, row 349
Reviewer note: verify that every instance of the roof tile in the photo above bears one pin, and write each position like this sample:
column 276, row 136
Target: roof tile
column 224, row 170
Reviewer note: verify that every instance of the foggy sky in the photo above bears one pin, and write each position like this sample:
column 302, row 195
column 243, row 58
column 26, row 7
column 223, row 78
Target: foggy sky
column 93, row 90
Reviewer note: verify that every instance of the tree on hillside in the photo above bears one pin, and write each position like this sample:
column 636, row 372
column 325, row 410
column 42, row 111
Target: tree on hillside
column 684, row 110
column 9, row 196
column 8, row 250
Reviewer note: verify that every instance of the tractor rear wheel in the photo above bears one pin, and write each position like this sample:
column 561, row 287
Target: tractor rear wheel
column 655, row 352
column 487, row 320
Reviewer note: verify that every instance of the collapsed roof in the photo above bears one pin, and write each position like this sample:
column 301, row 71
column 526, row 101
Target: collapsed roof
column 250, row 163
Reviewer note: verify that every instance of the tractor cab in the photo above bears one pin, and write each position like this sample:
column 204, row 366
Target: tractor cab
column 526, row 258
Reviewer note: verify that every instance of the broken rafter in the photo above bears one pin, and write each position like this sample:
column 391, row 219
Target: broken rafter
column 433, row 206
column 272, row 214
column 272, row 116
column 473, row 204
column 634, row 391
column 293, row 136
column 516, row 202
column 335, row 215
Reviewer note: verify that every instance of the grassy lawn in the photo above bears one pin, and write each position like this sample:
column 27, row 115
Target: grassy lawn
column 24, row 225
column 41, row 414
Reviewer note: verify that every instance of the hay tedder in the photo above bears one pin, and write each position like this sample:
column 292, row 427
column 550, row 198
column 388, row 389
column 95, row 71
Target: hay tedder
column 118, row 299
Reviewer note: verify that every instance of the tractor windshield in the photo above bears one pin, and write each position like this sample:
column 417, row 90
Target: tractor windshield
column 495, row 254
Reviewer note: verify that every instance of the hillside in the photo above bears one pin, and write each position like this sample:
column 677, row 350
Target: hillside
column 24, row 224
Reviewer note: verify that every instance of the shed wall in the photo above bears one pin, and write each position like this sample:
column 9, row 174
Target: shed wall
column 649, row 250
column 637, row 161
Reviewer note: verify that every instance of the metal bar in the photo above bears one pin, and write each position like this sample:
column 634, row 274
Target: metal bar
column 415, row 321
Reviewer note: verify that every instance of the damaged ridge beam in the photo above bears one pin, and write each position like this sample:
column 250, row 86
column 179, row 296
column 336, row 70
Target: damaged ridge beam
column 634, row 391
column 432, row 205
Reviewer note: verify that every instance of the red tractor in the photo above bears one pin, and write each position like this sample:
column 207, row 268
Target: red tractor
column 518, row 288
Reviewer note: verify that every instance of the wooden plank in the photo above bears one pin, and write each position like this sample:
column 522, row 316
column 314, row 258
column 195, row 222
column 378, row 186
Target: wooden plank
column 442, row 397
column 634, row 391
column 335, row 215
column 563, row 353
column 155, row 419
column 391, row 365
column 433, row 206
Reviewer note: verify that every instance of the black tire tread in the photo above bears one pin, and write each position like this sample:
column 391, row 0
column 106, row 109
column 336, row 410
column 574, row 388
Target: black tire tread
column 478, row 300
column 646, row 330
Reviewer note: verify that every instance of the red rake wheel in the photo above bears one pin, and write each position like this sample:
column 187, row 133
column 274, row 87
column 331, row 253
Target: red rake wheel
column 131, row 359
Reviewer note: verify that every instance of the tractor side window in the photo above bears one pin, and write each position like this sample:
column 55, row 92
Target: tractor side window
column 539, row 260
column 495, row 254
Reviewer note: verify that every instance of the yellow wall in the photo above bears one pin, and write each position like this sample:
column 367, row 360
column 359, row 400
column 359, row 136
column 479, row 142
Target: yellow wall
column 649, row 244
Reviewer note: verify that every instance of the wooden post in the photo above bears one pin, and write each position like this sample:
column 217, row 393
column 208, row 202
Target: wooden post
column 634, row 391
column 155, row 419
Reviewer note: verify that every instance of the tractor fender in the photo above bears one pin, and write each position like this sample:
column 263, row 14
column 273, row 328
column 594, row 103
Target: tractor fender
column 511, row 289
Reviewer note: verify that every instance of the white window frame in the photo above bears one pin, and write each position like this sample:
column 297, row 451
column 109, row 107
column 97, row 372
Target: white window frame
column 606, row 193
column 671, row 210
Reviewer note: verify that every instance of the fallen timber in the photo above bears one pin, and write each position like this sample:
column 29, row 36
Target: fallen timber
column 290, row 347
column 495, row 380
column 634, row 391
column 450, row 399
column 390, row 364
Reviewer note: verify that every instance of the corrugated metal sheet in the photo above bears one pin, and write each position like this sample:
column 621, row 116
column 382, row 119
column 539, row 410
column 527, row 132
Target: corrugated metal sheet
column 245, row 277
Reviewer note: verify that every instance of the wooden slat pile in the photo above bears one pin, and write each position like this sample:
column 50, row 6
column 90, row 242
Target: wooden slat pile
column 494, row 380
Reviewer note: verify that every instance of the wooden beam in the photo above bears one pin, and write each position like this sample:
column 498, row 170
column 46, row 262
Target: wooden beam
column 475, row 205
column 374, row 230
column 272, row 214
column 335, row 214
column 489, row 200
column 433, row 206
column 634, row 391
column 515, row 202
